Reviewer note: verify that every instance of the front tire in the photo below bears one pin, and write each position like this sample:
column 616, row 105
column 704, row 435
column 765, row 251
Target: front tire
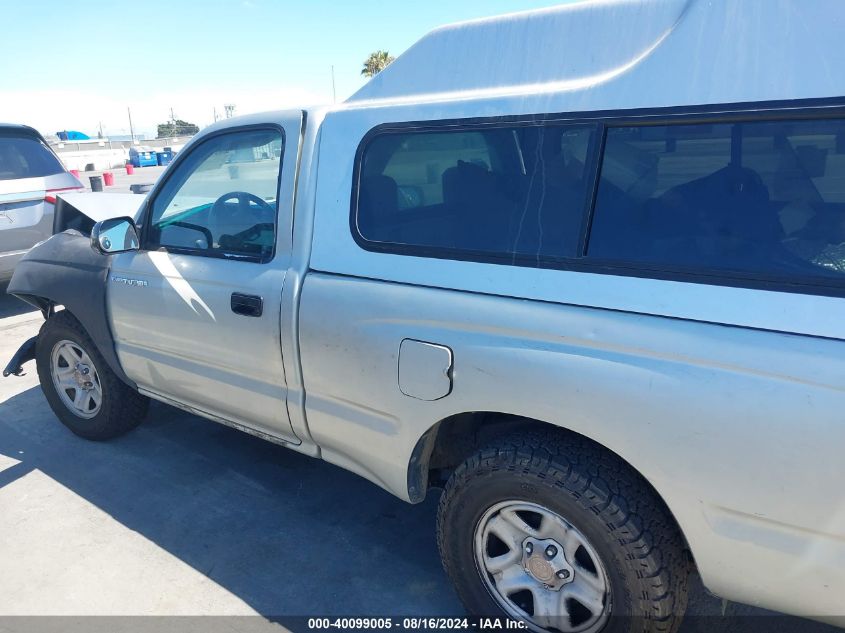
column 80, row 387
column 555, row 531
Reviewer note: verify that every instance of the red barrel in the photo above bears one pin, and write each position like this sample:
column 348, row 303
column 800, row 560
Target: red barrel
column 108, row 178
column 75, row 172
column 130, row 169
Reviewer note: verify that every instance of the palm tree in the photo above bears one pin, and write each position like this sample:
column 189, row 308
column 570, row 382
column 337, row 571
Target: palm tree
column 376, row 62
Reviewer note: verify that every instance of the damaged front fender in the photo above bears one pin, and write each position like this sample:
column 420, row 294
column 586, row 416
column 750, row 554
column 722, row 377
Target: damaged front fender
column 65, row 270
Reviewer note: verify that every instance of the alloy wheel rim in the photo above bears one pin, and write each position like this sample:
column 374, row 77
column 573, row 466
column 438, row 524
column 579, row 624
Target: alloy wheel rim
column 76, row 379
column 541, row 569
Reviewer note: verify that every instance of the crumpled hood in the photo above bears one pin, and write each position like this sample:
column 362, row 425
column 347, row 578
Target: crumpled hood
column 80, row 211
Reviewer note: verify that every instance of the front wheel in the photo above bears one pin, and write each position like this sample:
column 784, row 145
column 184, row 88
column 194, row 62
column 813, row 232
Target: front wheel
column 560, row 534
column 83, row 391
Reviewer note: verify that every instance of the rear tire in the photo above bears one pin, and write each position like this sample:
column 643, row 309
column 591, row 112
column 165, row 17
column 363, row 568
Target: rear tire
column 618, row 539
column 83, row 391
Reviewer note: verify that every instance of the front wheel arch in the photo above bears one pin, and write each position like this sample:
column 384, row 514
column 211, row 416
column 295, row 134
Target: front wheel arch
column 83, row 392
column 65, row 271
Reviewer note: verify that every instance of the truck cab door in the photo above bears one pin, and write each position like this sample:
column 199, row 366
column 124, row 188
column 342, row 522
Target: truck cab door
column 196, row 313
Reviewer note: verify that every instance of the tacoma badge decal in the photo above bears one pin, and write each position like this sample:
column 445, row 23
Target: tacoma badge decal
column 140, row 283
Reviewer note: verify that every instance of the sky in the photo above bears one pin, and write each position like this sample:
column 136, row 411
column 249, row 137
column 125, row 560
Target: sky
column 76, row 64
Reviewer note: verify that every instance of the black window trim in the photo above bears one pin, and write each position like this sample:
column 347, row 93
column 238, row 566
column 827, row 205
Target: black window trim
column 802, row 109
column 147, row 213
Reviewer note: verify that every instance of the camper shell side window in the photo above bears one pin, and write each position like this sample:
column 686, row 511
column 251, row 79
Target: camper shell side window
column 751, row 197
column 500, row 192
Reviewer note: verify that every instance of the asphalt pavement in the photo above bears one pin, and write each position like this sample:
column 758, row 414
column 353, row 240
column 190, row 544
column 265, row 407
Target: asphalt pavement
column 187, row 517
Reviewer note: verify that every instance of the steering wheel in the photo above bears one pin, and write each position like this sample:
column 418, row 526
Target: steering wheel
column 244, row 199
column 251, row 210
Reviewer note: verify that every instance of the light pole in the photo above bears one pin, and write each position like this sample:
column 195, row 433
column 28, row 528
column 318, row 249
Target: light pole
column 131, row 129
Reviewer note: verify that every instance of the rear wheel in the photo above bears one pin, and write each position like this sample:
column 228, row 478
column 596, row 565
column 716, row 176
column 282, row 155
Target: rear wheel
column 83, row 391
column 560, row 534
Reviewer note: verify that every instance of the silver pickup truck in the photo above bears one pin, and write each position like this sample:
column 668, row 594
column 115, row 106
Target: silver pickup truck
column 598, row 303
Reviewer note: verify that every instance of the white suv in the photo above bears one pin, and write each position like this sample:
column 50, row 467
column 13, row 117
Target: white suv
column 30, row 176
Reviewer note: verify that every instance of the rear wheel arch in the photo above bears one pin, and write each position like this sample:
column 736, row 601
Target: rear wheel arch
column 516, row 503
column 447, row 443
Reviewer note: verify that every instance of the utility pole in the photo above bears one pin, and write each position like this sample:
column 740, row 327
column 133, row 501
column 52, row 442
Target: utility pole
column 131, row 129
column 334, row 92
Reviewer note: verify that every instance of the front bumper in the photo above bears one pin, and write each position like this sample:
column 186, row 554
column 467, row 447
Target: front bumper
column 24, row 354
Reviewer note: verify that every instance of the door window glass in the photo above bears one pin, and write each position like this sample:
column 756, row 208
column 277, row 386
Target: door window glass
column 223, row 200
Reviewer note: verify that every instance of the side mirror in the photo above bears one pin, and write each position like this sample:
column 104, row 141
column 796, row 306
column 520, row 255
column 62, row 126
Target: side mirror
column 115, row 235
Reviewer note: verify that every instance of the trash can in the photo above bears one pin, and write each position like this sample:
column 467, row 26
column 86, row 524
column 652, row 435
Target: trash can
column 141, row 188
column 96, row 183
column 164, row 157
column 142, row 157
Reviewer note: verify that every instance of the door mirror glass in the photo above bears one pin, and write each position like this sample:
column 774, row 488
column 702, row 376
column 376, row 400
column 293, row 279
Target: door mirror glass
column 116, row 235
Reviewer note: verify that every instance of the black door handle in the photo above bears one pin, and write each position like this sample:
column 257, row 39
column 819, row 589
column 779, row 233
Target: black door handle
column 247, row 305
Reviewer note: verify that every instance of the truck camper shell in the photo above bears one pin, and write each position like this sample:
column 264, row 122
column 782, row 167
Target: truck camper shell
column 626, row 54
